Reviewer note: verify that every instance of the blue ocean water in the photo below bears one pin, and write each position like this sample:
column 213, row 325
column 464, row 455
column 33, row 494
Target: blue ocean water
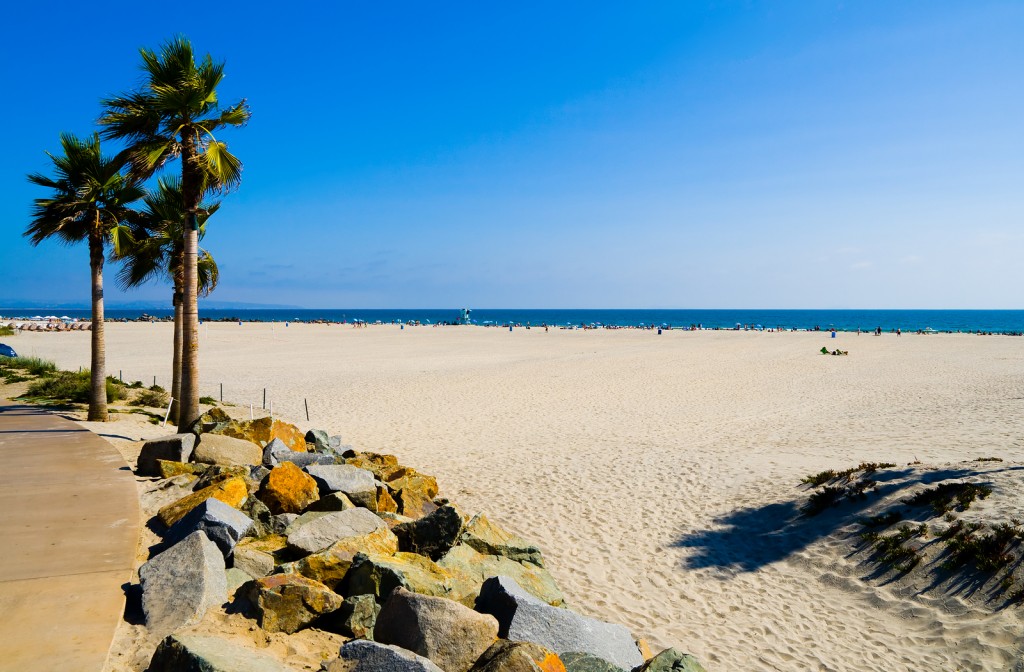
column 995, row 321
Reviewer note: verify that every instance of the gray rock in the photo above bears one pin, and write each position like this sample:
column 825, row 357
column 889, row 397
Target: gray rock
column 342, row 478
column 180, row 584
column 176, row 448
column 277, row 452
column 362, row 655
column 575, row 661
column 433, row 535
column 256, row 564
column 227, row 451
column 191, row 653
column 318, row 438
column 446, row 632
column 523, row 617
column 336, row 501
column 282, row 521
column 356, row 618
column 672, row 660
column 258, row 472
column 319, row 532
column 223, row 524
column 264, row 522
column 236, row 578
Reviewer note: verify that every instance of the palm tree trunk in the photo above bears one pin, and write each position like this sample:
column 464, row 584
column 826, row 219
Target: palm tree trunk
column 188, row 410
column 176, row 365
column 98, row 364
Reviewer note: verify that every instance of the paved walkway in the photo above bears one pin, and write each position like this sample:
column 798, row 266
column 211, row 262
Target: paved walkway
column 69, row 526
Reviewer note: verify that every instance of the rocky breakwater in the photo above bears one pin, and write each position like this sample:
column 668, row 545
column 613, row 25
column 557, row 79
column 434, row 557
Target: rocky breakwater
column 300, row 531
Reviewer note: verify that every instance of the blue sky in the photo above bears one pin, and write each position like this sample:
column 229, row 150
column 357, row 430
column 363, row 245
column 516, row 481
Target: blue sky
column 659, row 155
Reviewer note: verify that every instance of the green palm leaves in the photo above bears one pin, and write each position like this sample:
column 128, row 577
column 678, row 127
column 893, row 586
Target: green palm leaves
column 176, row 111
column 89, row 196
column 89, row 200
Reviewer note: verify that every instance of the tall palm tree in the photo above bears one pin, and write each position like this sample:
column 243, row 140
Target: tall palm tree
column 174, row 114
column 157, row 250
column 89, row 201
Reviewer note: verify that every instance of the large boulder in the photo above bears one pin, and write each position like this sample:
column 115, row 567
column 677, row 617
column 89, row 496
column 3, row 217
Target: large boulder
column 232, row 492
column 287, row 489
column 414, row 492
column 465, row 561
column 262, row 431
column 226, row 451
column 330, row 566
column 382, row 466
column 361, row 655
column 320, row 530
column 192, row 653
column 356, row 618
column 336, row 501
column 672, row 660
column 180, row 584
column 319, row 440
column 433, row 535
column 509, row 656
column 170, row 468
column 378, row 575
column 378, row 501
column 575, row 661
column 224, row 525
column 174, row 448
column 216, row 473
column 277, row 452
column 253, row 562
column 488, row 539
column 342, row 478
column 289, row 602
column 446, row 632
column 523, row 617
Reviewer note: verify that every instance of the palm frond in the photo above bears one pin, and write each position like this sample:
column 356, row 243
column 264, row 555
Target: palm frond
column 223, row 168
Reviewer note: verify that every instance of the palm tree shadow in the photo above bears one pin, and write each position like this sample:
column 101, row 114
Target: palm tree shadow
column 747, row 539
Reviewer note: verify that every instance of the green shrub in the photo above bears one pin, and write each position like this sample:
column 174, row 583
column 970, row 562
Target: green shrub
column 137, row 385
column 32, row 365
column 151, row 399
column 941, row 497
column 6, row 331
column 208, row 400
column 71, row 386
column 156, row 388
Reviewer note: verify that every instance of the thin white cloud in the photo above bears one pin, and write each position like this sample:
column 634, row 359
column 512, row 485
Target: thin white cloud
column 861, row 265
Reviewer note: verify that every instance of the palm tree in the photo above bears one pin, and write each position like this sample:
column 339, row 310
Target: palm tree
column 157, row 250
column 89, row 201
column 174, row 114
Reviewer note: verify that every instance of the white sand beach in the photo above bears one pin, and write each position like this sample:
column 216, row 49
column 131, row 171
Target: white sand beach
column 655, row 471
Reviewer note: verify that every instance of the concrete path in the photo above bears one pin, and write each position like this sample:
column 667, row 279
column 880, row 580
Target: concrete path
column 69, row 526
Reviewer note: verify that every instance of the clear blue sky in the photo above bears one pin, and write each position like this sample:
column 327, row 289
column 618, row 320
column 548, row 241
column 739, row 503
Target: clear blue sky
column 662, row 154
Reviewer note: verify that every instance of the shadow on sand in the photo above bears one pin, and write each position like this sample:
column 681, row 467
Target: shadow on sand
column 748, row 539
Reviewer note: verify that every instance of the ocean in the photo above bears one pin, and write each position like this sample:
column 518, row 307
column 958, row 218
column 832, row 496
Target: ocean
column 994, row 321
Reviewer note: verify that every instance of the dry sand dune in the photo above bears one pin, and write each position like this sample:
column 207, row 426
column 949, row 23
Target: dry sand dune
column 660, row 474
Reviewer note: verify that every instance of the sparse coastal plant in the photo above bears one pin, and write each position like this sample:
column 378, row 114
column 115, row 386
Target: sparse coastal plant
column 174, row 114
column 6, row 331
column 988, row 552
column 69, row 386
column 882, row 520
column 988, row 459
column 89, row 201
column 941, row 497
column 209, row 401
column 820, row 478
column 150, row 399
column 891, row 550
column 872, row 467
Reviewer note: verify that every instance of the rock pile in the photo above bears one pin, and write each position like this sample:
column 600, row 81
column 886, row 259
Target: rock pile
column 298, row 531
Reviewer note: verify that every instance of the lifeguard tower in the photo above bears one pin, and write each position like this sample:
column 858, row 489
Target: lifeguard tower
column 463, row 316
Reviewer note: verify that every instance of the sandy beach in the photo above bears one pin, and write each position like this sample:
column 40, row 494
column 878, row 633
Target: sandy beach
column 659, row 474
